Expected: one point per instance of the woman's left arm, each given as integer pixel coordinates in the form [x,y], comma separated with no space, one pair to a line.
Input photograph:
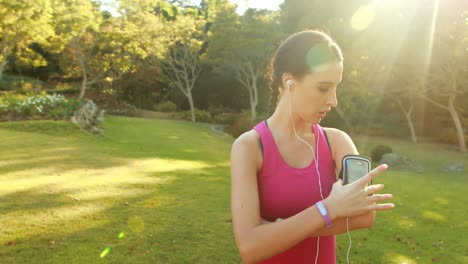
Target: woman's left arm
[341,145]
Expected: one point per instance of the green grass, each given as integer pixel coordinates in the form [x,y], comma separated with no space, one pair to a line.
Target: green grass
[65,196]
[429,222]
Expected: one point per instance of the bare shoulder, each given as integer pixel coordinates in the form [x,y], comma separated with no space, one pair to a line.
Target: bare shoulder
[249,138]
[341,144]
[247,147]
[336,136]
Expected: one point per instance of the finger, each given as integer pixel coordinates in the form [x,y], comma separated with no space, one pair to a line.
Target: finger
[381,207]
[379,198]
[373,188]
[371,175]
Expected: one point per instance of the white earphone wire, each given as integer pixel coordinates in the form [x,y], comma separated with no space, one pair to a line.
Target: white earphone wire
[316,154]
[316,159]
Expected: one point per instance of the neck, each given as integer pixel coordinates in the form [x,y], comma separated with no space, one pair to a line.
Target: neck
[282,122]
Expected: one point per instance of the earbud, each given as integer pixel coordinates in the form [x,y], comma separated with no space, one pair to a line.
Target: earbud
[289,83]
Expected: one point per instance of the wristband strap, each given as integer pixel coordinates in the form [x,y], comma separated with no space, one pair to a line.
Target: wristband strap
[324,213]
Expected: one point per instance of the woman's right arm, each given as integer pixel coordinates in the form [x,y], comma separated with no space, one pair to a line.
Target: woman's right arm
[254,240]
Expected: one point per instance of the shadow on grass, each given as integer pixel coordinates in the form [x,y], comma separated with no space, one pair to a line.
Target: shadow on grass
[184,220]
[47,144]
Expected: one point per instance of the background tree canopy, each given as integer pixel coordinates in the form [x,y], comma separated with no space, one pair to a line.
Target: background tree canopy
[405,62]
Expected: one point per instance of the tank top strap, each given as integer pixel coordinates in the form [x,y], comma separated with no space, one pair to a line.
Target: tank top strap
[324,152]
[268,147]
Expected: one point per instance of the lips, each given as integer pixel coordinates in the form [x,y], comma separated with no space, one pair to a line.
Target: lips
[323,114]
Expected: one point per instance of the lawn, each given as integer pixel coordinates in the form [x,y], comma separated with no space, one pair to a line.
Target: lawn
[157,191]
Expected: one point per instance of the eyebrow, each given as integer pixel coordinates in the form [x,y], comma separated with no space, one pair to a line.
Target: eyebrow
[331,83]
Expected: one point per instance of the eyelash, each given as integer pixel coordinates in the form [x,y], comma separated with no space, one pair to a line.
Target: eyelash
[323,90]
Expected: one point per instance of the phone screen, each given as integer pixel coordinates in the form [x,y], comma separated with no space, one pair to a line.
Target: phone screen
[356,169]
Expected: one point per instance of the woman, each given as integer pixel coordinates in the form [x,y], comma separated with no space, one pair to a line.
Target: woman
[287,205]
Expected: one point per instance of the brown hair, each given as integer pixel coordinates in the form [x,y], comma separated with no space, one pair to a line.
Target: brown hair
[296,55]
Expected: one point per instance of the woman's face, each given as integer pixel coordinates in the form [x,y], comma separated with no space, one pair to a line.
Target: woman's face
[313,96]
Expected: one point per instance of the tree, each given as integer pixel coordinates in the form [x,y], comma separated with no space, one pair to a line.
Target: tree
[184,38]
[98,47]
[77,25]
[23,23]
[446,78]
[248,53]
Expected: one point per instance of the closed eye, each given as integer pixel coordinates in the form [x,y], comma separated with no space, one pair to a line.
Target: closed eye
[323,90]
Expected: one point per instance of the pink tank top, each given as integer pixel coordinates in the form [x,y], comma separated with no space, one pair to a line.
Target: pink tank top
[285,191]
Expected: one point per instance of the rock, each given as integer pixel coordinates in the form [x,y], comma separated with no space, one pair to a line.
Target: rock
[395,161]
[454,168]
[89,117]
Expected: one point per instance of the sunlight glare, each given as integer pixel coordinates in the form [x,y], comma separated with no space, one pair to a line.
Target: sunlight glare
[431,36]
[363,17]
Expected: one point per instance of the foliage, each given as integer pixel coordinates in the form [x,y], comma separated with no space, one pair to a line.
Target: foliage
[450,136]
[166,106]
[21,24]
[36,106]
[378,151]
[13,82]
[200,115]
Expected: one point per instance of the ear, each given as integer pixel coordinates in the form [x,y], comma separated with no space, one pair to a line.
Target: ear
[287,80]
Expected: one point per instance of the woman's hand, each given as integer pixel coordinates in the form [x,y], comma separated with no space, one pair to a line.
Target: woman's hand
[355,198]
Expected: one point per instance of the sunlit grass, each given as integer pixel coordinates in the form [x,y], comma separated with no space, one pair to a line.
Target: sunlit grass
[67,197]
[428,221]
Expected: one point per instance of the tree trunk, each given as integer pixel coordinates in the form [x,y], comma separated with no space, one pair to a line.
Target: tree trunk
[2,67]
[253,100]
[253,111]
[408,114]
[84,83]
[192,107]
[346,120]
[458,124]
[411,127]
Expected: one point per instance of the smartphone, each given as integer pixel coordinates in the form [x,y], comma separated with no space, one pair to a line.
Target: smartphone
[354,167]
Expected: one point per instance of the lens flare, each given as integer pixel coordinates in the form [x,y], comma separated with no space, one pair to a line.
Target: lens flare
[363,17]
[319,57]
[105,252]
[121,235]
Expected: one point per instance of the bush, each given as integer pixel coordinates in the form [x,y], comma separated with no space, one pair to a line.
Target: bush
[36,106]
[225,118]
[13,82]
[450,136]
[200,116]
[218,110]
[241,124]
[378,151]
[167,106]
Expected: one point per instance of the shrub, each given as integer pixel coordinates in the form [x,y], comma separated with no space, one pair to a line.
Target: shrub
[14,82]
[225,118]
[218,110]
[34,106]
[450,136]
[200,116]
[167,106]
[378,151]
[241,124]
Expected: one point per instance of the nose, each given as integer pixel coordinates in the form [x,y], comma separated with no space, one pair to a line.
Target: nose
[332,101]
